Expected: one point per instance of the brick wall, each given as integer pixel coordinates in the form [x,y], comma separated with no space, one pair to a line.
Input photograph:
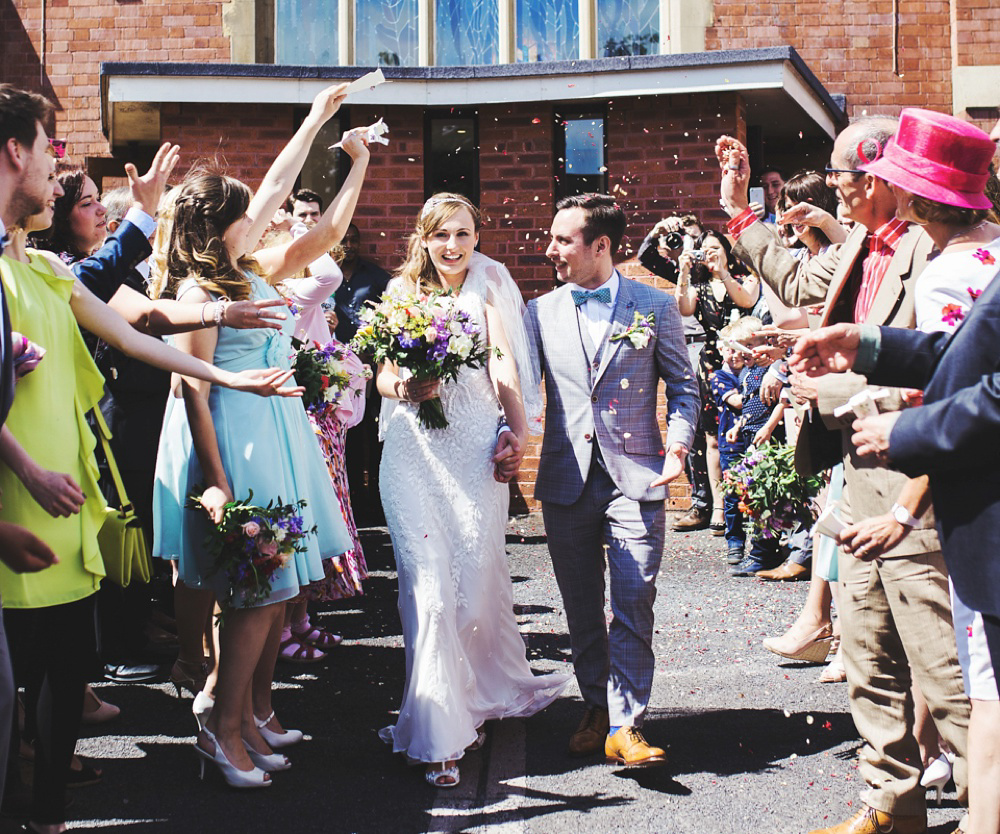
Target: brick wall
[80,34]
[849,45]
[977,33]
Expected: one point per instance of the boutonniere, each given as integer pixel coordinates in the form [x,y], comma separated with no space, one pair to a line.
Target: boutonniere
[639,332]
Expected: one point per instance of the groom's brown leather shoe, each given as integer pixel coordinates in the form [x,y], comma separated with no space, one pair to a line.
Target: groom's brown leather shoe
[629,748]
[589,736]
[870,821]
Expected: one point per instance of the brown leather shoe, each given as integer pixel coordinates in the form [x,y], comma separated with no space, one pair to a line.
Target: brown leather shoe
[629,748]
[870,821]
[590,735]
[785,572]
[693,519]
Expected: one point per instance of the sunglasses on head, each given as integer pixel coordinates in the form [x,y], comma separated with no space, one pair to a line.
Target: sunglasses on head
[58,147]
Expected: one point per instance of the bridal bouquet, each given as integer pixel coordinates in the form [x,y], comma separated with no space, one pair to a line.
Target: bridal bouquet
[428,335]
[771,492]
[333,376]
[251,544]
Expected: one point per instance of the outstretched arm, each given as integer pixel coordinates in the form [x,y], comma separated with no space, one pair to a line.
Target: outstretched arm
[105,323]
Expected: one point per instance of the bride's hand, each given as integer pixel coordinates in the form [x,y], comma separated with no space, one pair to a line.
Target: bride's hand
[417,390]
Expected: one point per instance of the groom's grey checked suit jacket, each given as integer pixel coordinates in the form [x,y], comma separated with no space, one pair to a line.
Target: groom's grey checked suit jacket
[614,403]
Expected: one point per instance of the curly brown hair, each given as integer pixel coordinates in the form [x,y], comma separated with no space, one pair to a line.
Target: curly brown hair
[207,204]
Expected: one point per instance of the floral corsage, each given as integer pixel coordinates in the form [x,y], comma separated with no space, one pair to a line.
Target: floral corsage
[639,332]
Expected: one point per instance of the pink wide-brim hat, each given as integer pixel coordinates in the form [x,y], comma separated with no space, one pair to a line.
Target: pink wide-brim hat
[939,157]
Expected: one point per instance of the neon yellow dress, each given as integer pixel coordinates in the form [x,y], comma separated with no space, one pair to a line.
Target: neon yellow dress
[48,419]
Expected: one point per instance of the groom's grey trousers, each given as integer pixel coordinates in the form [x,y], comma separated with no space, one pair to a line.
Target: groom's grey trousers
[614,664]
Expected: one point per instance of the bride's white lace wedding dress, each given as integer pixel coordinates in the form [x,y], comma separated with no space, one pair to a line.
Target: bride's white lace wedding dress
[447,516]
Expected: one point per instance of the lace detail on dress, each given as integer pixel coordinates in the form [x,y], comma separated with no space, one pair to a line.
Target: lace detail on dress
[447,517]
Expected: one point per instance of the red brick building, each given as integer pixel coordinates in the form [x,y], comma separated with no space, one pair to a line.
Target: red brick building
[512,133]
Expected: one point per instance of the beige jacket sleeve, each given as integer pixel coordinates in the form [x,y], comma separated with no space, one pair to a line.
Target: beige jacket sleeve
[796,283]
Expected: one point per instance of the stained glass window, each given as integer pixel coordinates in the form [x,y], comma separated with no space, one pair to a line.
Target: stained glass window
[466,32]
[548,30]
[628,27]
[305,32]
[386,33]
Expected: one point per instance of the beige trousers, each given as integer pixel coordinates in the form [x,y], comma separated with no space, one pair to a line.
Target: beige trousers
[896,626]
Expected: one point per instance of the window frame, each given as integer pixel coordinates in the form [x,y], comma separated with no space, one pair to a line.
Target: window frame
[432,114]
[559,175]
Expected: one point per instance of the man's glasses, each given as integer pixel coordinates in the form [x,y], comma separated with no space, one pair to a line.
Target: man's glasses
[58,147]
[830,170]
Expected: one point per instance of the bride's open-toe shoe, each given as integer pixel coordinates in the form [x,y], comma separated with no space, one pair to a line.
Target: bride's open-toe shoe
[479,742]
[439,775]
[270,762]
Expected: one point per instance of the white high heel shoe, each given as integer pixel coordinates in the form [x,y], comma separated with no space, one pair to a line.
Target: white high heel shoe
[277,740]
[937,774]
[235,778]
[270,762]
[202,708]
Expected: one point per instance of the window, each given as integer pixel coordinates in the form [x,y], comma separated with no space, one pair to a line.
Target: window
[466,32]
[452,152]
[580,154]
[548,30]
[628,27]
[325,171]
[386,33]
[305,32]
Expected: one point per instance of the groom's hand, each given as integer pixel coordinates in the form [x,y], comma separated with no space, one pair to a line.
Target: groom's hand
[673,465]
[507,457]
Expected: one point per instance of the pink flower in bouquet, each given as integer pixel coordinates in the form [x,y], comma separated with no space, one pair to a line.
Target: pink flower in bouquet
[267,548]
[251,529]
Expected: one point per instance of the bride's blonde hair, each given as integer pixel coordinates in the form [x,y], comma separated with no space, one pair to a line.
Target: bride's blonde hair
[417,272]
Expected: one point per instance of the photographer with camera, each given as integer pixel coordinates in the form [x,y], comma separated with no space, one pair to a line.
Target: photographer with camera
[714,287]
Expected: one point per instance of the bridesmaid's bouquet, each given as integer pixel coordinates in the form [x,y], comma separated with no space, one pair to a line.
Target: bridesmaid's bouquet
[426,334]
[251,544]
[771,493]
[332,374]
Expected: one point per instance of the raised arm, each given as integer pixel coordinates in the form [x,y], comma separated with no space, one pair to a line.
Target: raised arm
[279,262]
[280,178]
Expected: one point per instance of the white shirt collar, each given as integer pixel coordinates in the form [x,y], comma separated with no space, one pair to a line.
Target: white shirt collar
[612,284]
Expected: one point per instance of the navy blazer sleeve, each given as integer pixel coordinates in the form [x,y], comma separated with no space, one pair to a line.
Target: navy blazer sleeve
[106,270]
[907,358]
[958,432]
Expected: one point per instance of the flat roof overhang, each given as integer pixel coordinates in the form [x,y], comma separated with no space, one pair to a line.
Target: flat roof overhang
[770,79]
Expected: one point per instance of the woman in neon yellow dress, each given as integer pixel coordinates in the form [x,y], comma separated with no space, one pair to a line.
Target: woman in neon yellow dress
[49,486]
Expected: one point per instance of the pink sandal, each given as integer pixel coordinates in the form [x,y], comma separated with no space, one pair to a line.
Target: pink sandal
[318,637]
[293,650]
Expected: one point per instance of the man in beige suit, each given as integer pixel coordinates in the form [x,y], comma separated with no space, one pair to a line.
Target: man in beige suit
[895,609]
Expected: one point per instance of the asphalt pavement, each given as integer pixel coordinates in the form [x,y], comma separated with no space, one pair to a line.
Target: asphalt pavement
[755,744]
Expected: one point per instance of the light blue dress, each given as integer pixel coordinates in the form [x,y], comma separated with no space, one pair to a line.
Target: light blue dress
[267,445]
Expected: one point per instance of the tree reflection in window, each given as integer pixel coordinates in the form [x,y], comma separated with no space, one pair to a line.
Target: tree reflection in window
[628,27]
[386,33]
[548,30]
[305,32]
[466,33]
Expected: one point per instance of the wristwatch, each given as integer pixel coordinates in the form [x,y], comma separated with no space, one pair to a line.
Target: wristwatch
[902,515]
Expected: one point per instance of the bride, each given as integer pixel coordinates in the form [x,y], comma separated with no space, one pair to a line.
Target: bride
[447,513]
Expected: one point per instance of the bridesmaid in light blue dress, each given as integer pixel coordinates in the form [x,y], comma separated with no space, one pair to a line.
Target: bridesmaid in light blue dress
[230,445]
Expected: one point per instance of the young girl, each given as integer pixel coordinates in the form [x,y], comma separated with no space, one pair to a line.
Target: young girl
[228,446]
[447,515]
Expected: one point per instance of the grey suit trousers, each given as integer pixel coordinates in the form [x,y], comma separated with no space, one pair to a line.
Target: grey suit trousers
[614,665]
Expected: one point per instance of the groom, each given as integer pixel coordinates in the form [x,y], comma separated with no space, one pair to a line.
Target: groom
[603,343]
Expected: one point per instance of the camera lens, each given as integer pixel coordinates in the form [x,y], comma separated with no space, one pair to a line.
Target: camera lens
[674,240]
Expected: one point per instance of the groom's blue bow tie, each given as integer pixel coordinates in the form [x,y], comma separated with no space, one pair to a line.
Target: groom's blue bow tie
[580,296]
